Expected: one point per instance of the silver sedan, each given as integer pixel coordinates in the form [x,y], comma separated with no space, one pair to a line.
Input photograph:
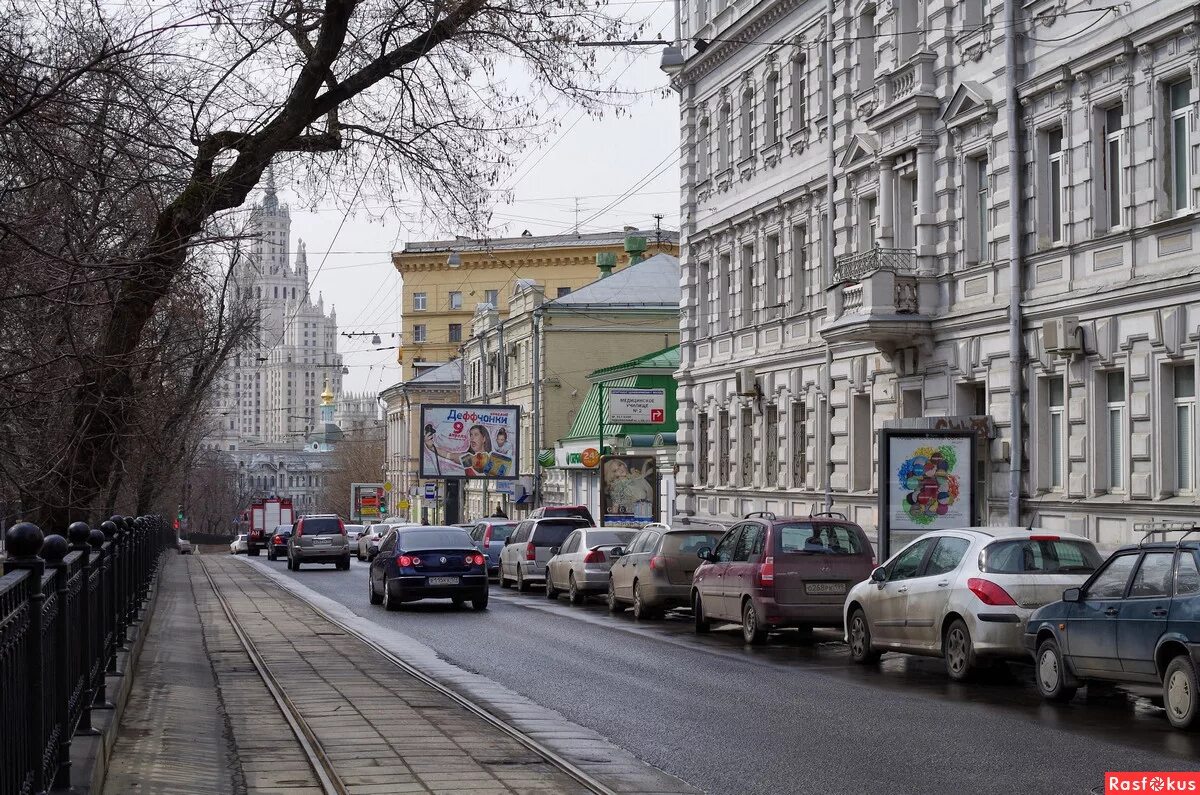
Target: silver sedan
[581,564]
[964,594]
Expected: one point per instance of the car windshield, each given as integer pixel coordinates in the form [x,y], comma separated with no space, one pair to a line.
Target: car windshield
[601,538]
[688,544]
[322,526]
[818,539]
[502,531]
[433,538]
[553,533]
[1049,556]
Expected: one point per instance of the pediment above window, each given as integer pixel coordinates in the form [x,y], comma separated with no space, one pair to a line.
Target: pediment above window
[860,153]
[971,102]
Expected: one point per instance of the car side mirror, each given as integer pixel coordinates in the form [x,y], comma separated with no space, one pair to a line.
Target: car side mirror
[704,553]
[554,550]
[616,552]
[1073,595]
[879,574]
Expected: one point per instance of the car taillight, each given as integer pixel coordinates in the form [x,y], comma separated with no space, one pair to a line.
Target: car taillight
[989,592]
[277,540]
[658,562]
[341,527]
[487,536]
[594,556]
[475,559]
[405,561]
[1043,538]
[530,551]
[766,572]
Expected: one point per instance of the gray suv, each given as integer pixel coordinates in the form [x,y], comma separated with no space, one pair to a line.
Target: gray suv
[526,552]
[319,539]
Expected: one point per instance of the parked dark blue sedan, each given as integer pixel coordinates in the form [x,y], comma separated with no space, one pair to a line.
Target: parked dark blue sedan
[1136,620]
[428,563]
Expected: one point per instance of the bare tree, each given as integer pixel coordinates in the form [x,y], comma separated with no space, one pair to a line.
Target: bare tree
[136,132]
[357,458]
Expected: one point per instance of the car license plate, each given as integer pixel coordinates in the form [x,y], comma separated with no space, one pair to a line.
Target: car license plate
[825,587]
[321,542]
[443,581]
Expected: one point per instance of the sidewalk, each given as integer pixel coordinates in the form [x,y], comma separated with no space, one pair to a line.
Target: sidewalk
[173,737]
[201,719]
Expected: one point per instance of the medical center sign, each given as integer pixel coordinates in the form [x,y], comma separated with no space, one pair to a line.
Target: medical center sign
[637,406]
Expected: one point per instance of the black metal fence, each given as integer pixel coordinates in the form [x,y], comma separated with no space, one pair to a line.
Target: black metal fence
[65,608]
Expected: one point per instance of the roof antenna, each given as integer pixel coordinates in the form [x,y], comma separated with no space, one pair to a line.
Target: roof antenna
[658,229]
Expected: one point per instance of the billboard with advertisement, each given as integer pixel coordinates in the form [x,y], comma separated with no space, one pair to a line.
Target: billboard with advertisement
[636,406]
[476,442]
[628,490]
[927,482]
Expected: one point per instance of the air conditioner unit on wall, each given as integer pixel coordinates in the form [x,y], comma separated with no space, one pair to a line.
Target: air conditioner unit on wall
[744,382]
[1061,334]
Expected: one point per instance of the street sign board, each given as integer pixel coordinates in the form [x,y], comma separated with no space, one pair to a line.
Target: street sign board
[431,491]
[637,406]
[364,500]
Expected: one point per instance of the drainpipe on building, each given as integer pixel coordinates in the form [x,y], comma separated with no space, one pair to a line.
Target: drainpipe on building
[483,362]
[1016,361]
[830,177]
[537,404]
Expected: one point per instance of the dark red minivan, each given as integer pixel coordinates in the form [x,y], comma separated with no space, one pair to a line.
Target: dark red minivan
[768,573]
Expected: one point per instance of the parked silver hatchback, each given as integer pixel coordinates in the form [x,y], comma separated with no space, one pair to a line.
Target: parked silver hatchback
[580,565]
[319,539]
[655,572]
[964,594]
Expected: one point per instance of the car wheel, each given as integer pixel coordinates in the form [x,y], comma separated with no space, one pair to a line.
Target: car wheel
[358,554]
[345,566]
[574,595]
[372,597]
[296,564]
[480,603]
[640,611]
[270,555]
[958,651]
[291,566]
[551,592]
[389,602]
[614,605]
[1050,673]
[752,632]
[701,624]
[1180,694]
[522,586]
[860,639]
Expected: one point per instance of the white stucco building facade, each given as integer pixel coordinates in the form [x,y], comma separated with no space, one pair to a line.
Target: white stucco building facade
[912,308]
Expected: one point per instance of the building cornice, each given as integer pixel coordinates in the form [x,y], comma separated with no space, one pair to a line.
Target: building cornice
[734,38]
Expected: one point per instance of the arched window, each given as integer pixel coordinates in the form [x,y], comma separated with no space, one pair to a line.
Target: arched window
[771,115]
[726,133]
[799,92]
[748,119]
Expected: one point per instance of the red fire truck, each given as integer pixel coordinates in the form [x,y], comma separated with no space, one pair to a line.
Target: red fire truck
[265,516]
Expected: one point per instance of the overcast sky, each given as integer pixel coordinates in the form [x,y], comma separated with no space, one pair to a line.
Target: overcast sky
[596,160]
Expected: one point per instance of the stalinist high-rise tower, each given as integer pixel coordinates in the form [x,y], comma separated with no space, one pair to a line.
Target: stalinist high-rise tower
[270,395]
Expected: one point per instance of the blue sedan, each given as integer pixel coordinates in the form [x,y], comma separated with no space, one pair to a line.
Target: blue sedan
[428,563]
[1135,621]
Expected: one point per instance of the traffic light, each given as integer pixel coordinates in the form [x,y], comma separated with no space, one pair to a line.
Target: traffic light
[179,517]
[383,506]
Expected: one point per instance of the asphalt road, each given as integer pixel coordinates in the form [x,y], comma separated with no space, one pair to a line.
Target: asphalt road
[794,716]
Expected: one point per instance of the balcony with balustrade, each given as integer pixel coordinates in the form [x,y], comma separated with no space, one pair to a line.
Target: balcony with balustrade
[910,87]
[882,298]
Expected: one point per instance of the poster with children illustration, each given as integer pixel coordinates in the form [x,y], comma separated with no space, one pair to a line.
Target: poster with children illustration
[628,491]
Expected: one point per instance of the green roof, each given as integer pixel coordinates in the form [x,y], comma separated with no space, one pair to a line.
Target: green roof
[666,359]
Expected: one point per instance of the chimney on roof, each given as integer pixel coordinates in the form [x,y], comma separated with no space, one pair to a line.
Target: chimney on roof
[605,261]
[635,247]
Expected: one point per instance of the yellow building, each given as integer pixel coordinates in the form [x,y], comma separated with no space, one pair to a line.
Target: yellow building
[444,281]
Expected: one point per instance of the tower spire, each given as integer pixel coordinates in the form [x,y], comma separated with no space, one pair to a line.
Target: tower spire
[270,200]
